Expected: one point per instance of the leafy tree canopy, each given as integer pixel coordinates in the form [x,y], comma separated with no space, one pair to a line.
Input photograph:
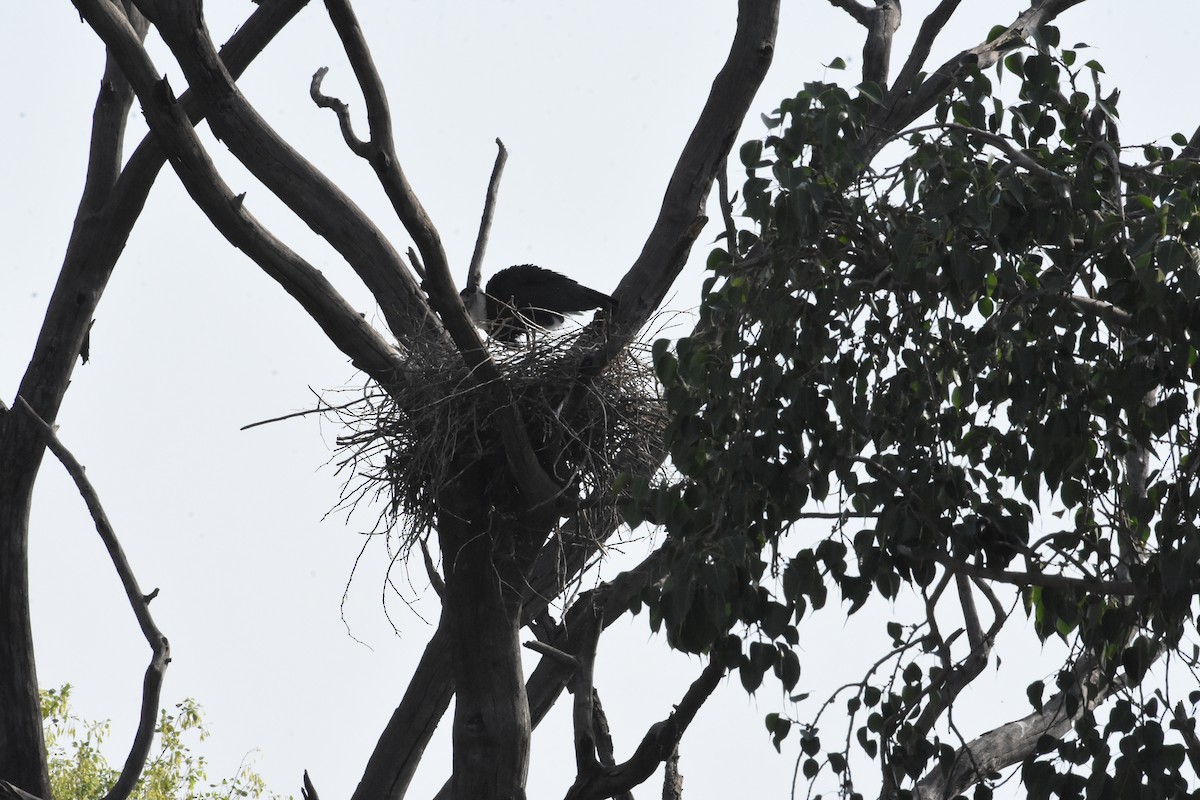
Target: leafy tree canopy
[79,770]
[976,343]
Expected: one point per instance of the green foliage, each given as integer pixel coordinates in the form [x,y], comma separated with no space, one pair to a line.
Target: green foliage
[995,333]
[80,771]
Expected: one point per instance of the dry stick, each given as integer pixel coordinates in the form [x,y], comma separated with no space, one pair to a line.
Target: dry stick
[160,650]
[475,273]
[524,466]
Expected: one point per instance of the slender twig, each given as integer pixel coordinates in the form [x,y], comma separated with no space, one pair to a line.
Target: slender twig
[435,580]
[160,656]
[475,273]
[656,746]
[356,145]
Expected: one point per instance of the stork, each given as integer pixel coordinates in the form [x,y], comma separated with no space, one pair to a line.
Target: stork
[521,299]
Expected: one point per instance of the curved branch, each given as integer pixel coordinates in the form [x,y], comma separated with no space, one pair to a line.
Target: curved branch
[160,650]
[656,746]
[295,181]
[680,218]
[344,326]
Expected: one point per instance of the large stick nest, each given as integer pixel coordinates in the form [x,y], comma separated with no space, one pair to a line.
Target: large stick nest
[406,443]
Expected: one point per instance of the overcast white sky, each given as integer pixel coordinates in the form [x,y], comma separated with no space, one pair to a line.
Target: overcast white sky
[191,342]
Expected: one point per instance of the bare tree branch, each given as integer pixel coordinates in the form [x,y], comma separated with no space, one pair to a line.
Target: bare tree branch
[342,323]
[303,188]
[583,714]
[380,152]
[107,214]
[672,779]
[656,746]
[160,650]
[930,28]
[475,273]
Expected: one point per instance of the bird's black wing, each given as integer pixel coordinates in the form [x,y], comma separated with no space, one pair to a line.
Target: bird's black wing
[526,287]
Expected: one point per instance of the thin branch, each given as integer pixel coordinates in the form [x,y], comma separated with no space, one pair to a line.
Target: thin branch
[357,146]
[930,28]
[1018,157]
[583,710]
[160,650]
[475,273]
[604,740]
[435,580]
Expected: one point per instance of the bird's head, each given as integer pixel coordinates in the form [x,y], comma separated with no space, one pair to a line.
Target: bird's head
[476,302]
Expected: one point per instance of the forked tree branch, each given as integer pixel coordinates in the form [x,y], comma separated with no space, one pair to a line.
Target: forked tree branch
[656,746]
[160,651]
[295,181]
[379,150]
[341,322]
[906,103]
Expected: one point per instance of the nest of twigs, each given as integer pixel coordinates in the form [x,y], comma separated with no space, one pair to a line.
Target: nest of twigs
[406,442]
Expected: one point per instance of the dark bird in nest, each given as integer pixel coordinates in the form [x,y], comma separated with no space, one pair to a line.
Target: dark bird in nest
[523,299]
